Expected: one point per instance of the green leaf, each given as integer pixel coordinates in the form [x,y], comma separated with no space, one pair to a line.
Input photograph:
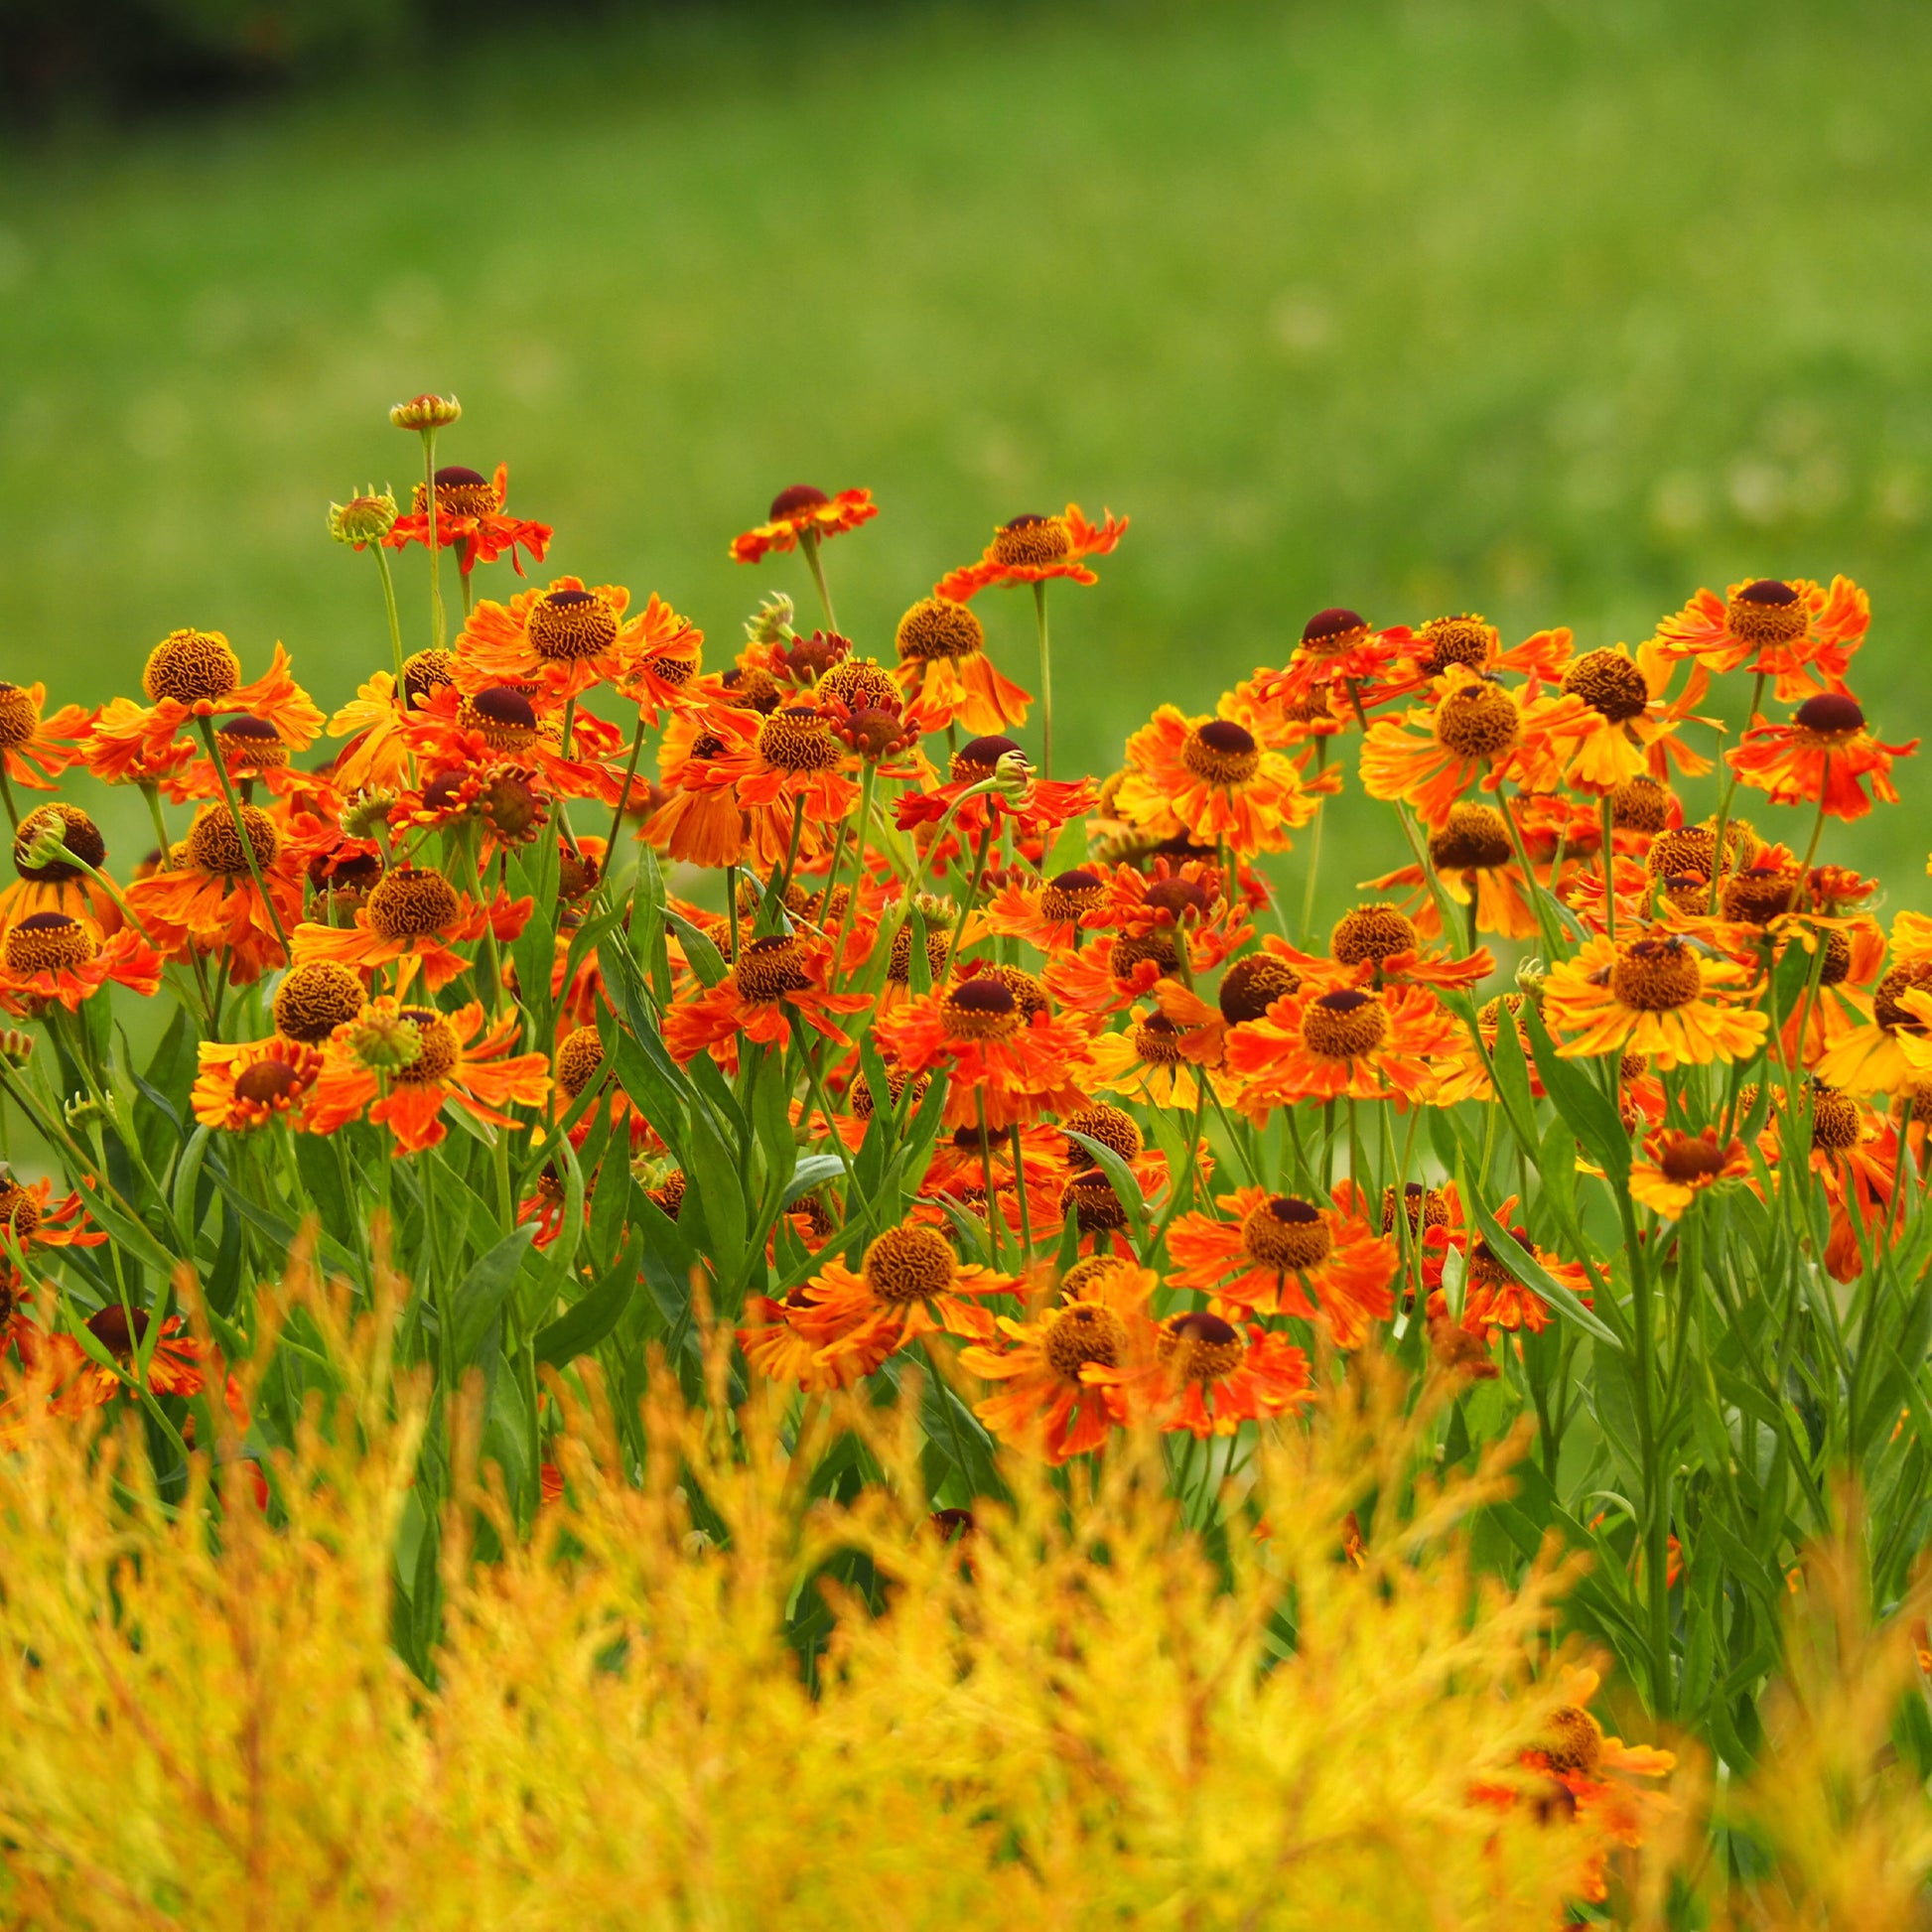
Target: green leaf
[584,1323]
[1581,1102]
[480,1296]
[706,960]
[812,1171]
[1532,1273]
[1512,1083]
[187,1178]
[1121,1178]
[712,1172]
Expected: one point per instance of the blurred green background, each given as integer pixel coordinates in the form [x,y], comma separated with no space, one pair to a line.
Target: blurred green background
[1536,307]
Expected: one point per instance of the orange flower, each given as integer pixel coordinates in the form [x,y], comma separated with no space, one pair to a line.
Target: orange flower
[1208,779]
[377,756]
[1347,1042]
[470,516]
[788,776]
[1872,1058]
[1279,1255]
[909,1284]
[1493,1300]
[242,1088]
[57,956]
[1032,549]
[1473,857]
[1614,712]
[1662,996]
[1157,1060]
[1339,651]
[700,821]
[947,673]
[1050,914]
[403,1063]
[1016,1068]
[1208,1378]
[412,919]
[1819,758]
[1038,807]
[1060,1397]
[31,1216]
[1678,1167]
[1475,732]
[1797,633]
[563,640]
[804,512]
[194,674]
[453,731]
[778,1350]
[35,749]
[174,1367]
[776,980]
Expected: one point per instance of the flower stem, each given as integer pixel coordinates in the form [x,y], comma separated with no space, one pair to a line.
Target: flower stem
[808,543]
[435,549]
[242,832]
[1045,683]
[395,618]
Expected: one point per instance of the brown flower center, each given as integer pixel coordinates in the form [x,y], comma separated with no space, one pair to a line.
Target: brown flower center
[1071,895]
[215,846]
[503,716]
[1657,976]
[1767,611]
[191,666]
[859,684]
[268,1083]
[1085,1276]
[769,968]
[752,688]
[1081,1332]
[938,943]
[1574,1743]
[979,1009]
[1198,1347]
[1423,1207]
[19,1210]
[1610,684]
[251,745]
[19,717]
[797,739]
[1757,896]
[459,492]
[1133,947]
[1689,1161]
[1455,641]
[1108,1126]
[1095,1206]
[411,903]
[1287,1234]
[315,999]
[1478,720]
[1887,997]
[73,827]
[1830,715]
[46,942]
[1331,631]
[439,1048]
[1837,1122]
[1370,935]
[1345,1025]
[1475,839]
[907,1265]
[798,501]
[1030,540]
[567,625]
[1221,753]
[938,628]
[1024,987]
[426,671]
[979,758]
[1252,985]
[1157,1040]
[579,1061]
[1640,805]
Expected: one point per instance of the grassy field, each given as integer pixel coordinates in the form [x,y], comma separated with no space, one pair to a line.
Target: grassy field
[1549,311]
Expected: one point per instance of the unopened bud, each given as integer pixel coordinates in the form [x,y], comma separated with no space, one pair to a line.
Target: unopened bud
[363,519]
[16,1048]
[1012,775]
[770,624]
[1529,975]
[385,1042]
[368,813]
[426,412]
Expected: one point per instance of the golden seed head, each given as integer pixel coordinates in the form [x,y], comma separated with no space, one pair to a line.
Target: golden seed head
[579,1058]
[1196,1346]
[752,688]
[1888,1008]
[859,684]
[1574,1742]
[938,628]
[1691,1159]
[1093,1203]
[1837,1120]
[668,1196]
[1032,540]
[769,968]
[214,845]
[797,739]
[1838,958]
[938,943]
[412,903]
[1080,1332]
[46,942]
[1252,985]
[1422,1207]
[1370,935]
[1657,976]
[439,1050]
[19,1210]
[1640,805]
[1157,1040]
[425,672]
[191,666]
[1345,1025]
[1455,641]
[1475,839]
[566,627]
[1084,1277]
[57,824]
[459,492]
[1287,1234]
[1221,753]
[19,717]
[1110,1126]
[860,1096]
[1133,947]
[315,999]
[1478,720]
[909,1264]
[1757,896]
[1768,612]
[1609,682]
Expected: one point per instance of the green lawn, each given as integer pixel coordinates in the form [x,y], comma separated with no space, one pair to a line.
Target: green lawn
[1549,311]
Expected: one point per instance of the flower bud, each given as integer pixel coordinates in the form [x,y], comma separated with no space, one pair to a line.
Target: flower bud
[385,1042]
[365,519]
[1012,775]
[16,1048]
[426,412]
[1530,975]
[368,814]
[770,624]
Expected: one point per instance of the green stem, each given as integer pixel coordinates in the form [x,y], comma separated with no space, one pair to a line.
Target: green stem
[241,831]
[441,627]
[1045,683]
[808,544]
[395,617]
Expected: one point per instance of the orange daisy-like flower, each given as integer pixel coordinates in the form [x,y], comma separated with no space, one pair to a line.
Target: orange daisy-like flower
[1050,914]
[1339,653]
[32,1218]
[1018,1068]
[1034,811]
[377,755]
[1060,1397]
[563,640]
[402,1064]
[36,750]
[1207,1377]
[1279,1255]
[1473,857]
[1821,757]
[61,957]
[470,518]
[1157,1059]
[802,512]
[1797,633]
[1615,723]
[1476,732]
[242,1088]
[1377,944]
[780,1352]
[413,918]
[1032,549]
[947,673]
[776,980]
[450,729]
[173,1367]
[701,822]
[1474,642]
[194,674]
[909,1284]
[1493,1300]
[1678,1167]
[789,774]
[1207,778]
[1348,1042]
[1872,1058]
[1662,996]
